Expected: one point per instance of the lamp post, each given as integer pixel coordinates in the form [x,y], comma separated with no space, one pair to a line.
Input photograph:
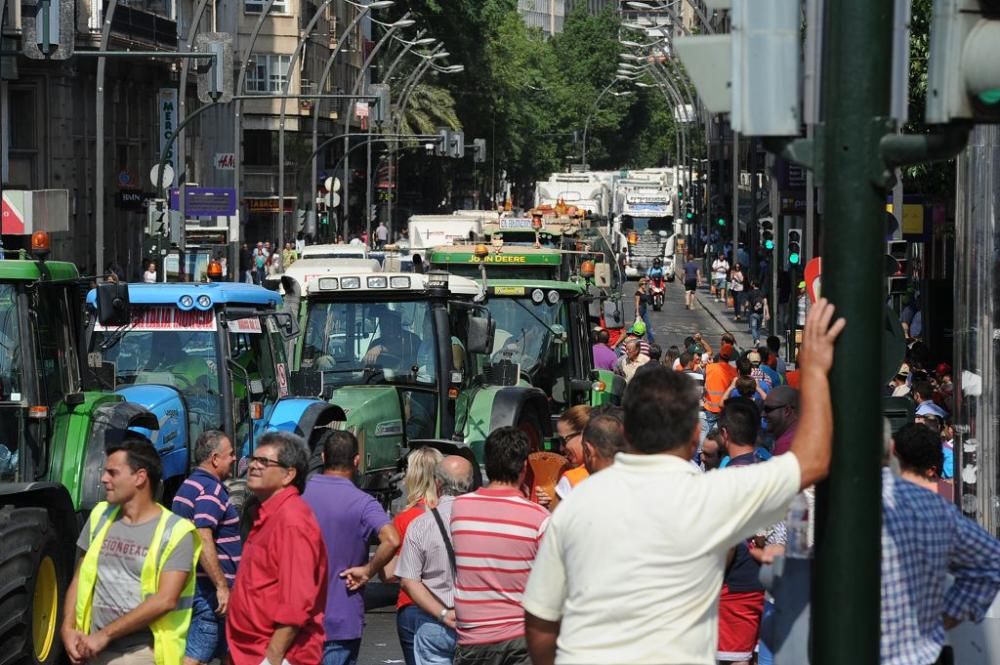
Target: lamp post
[586,124]
[363,11]
[404,22]
[299,49]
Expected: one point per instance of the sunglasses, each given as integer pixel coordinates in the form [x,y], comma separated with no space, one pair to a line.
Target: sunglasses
[267,462]
[562,440]
[774,407]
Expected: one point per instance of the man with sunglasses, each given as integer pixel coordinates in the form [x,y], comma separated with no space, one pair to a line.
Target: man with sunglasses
[276,606]
[781,414]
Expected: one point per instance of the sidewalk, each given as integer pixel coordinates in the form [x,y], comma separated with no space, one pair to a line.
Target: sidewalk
[725,318]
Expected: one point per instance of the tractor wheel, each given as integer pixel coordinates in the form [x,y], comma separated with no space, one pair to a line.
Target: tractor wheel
[33,582]
[533,430]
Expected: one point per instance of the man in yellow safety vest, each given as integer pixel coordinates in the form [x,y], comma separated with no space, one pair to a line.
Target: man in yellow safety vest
[130,598]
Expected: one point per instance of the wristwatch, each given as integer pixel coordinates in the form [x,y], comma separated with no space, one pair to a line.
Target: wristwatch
[443,614]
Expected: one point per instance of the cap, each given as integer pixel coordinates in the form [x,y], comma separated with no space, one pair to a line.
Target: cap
[638,328]
[802,285]
[904,370]
[754,358]
[726,352]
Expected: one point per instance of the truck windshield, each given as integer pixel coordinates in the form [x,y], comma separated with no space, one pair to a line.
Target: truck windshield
[523,330]
[371,342]
[183,359]
[10,345]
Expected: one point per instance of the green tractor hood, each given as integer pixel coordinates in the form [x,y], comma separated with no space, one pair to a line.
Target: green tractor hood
[375,415]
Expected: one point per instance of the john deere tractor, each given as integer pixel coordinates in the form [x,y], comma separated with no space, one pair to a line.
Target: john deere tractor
[53,413]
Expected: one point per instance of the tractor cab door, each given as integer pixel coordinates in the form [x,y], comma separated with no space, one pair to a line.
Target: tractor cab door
[258,368]
[53,327]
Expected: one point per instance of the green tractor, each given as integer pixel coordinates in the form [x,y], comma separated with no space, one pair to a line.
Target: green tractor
[543,323]
[55,416]
[404,355]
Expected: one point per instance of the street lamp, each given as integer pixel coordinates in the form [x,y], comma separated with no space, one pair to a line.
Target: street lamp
[404,22]
[586,124]
[363,11]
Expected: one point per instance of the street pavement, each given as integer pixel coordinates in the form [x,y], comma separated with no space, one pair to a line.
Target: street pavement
[380,644]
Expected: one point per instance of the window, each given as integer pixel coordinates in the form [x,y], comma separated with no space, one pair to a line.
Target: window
[257,6]
[268,73]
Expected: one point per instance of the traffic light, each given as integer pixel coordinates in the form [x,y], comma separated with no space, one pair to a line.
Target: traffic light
[721,221]
[215,76]
[156,218]
[793,243]
[753,73]
[383,103]
[767,234]
[963,76]
[896,266]
[443,146]
[689,213]
[48,29]
[479,150]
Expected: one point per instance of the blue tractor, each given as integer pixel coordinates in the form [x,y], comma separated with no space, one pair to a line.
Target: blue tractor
[200,357]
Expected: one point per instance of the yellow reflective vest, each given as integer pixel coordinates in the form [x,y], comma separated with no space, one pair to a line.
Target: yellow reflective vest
[170,630]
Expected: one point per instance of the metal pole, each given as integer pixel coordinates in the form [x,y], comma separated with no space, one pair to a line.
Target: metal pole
[358,82]
[593,110]
[775,203]
[736,196]
[238,103]
[845,616]
[99,140]
[361,13]
[300,47]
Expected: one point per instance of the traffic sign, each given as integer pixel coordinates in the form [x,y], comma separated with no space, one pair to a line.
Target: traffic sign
[168,175]
[334,200]
[332,184]
[205,201]
[813,279]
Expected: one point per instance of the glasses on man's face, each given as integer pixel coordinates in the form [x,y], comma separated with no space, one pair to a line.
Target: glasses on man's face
[267,462]
[768,408]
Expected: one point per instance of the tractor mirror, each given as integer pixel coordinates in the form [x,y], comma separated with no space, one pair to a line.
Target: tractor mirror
[112,304]
[287,323]
[602,275]
[481,330]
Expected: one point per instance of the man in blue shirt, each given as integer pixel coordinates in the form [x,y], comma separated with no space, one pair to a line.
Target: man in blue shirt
[204,500]
[924,540]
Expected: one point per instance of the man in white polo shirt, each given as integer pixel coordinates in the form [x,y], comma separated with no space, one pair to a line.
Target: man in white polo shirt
[647,589]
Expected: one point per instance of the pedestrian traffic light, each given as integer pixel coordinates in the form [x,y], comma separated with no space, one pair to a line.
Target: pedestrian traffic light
[896,266]
[689,213]
[721,221]
[767,234]
[794,245]
[156,218]
[963,77]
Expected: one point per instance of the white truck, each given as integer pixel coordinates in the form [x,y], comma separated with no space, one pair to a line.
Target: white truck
[581,190]
[426,231]
[644,221]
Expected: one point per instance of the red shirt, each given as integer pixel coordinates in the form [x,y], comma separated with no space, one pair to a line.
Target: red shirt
[281,579]
[402,522]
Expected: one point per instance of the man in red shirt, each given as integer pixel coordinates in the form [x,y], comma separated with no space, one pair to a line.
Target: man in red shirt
[276,606]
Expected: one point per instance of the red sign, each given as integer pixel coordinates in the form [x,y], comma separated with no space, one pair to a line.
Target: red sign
[169,318]
[812,278]
[12,219]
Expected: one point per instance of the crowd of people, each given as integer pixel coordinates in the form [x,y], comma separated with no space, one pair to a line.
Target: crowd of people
[648,552]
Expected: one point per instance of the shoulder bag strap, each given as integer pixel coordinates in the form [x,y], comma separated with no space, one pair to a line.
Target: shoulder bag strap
[447,542]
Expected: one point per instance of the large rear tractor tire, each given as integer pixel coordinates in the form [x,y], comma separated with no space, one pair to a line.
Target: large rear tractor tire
[33,582]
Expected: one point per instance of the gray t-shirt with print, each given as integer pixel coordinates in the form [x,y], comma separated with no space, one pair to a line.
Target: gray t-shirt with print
[119,573]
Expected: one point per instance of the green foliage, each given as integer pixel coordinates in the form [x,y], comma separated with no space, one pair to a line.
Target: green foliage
[429,107]
[530,97]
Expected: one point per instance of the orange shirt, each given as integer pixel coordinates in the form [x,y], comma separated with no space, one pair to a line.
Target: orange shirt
[792,378]
[576,475]
[402,523]
[718,377]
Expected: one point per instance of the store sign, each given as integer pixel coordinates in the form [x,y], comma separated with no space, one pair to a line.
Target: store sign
[168,122]
[225,161]
[269,204]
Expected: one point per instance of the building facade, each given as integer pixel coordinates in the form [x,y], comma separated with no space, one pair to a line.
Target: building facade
[49,117]
[546,15]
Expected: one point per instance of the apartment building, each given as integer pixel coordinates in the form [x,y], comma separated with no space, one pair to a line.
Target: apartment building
[546,15]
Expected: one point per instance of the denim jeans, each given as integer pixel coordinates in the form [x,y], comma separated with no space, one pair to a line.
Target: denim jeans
[206,637]
[408,620]
[764,655]
[755,321]
[708,421]
[341,652]
[649,326]
[434,644]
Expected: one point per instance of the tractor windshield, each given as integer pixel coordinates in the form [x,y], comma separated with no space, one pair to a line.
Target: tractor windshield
[10,346]
[174,355]
[371,342]
[524,330]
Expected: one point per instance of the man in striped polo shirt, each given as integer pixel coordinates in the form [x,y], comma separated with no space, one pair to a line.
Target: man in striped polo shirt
[203,499]
[496,533]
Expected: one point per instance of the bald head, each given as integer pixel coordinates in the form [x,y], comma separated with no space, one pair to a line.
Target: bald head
[454,476]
